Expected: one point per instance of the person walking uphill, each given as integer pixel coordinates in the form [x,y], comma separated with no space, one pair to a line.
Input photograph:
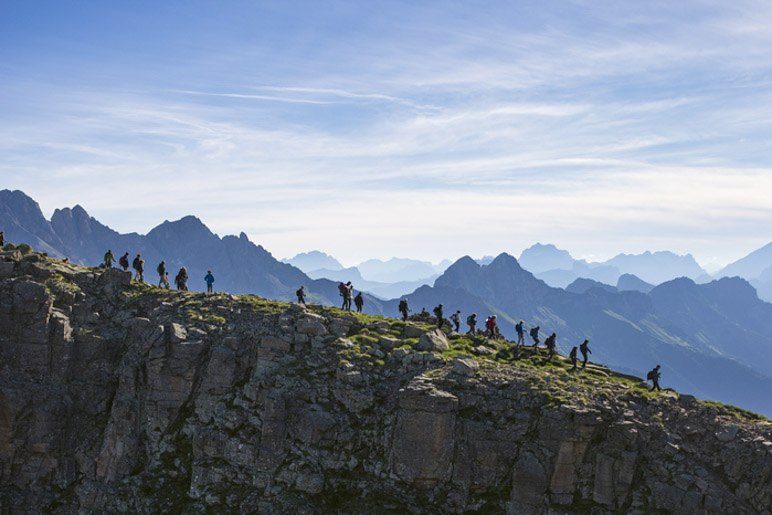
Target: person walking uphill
[491,327]
[161,269]
[572,356]
[139,267]
[654,376]
[359,301]
[551,345]
[182,279]
[520,330]
[403,309]
[535,335]
[209,278]
[585,349]
[471,321]
[438,314]
[109,259]
[456,319]
[301,294]
[124,262]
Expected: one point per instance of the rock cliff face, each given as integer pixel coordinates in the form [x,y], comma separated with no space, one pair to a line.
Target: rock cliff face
[123,397]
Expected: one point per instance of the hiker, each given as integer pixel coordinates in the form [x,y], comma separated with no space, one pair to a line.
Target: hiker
[139,267]
[359,301]
[403,309]
[2,239]
[182,279]
[572,355]
[490,326]
[456,319]
[124,262]
[438,314]
[585,349]
[551,345]
[165,281]
[209,278]
[109,259]
[301,293]
[653,376]
[535,335]
[471,321]
[161,269]
[520,330]
[345,291]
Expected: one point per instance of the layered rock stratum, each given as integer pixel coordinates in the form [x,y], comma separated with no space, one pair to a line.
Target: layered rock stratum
[117,396]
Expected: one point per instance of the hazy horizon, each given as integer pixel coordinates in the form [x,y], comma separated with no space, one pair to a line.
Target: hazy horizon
[426,131]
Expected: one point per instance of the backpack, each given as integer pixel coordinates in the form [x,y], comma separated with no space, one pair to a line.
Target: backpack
[342,289]
[161,269]
[650,375]
[534,332]
[471,320]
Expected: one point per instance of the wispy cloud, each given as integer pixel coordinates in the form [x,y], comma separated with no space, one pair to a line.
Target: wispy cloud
[459,131]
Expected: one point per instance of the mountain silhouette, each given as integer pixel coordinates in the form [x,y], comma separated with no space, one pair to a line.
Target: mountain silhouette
[557,268]
[630,282]
[239,265]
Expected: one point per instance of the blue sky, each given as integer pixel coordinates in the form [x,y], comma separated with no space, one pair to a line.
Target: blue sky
[421,129]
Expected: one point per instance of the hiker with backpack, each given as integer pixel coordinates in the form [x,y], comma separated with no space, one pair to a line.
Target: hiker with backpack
[438,314]
[346,290]
[585,349]
[124,262]
[520,330]
[535,335]
[551,344]
[209,279]
[403,309]
[456,319]
[359,301]
[654,376]
[471,321]
[181,280]
[109,259]
[491,327]
[139,267]
[161,269]
[2,239]
[572,356]
[301,294]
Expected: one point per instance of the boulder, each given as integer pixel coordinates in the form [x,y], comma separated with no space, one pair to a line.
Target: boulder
[176,333]
[465,366]
[311,324]
[411,331]
[728,433]
[434,340]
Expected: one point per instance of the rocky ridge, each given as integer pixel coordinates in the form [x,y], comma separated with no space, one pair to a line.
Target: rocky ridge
[122,397]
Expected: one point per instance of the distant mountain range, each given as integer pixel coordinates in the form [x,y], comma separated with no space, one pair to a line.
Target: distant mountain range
[712,339]
[756,267]
[239,265]
[558,268]
[385,279]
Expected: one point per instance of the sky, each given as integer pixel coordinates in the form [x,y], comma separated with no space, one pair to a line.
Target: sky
[420,129]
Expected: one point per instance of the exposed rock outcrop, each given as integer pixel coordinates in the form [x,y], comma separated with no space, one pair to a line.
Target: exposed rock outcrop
[122,397]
